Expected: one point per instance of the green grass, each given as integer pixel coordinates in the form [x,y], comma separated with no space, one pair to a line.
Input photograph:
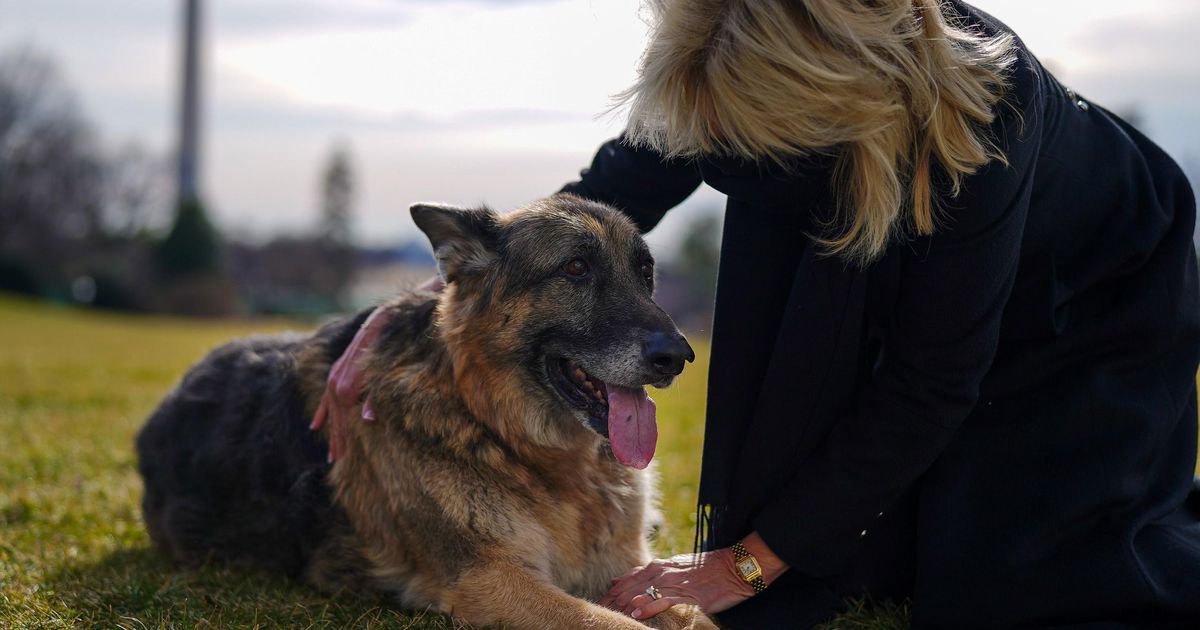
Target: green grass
[74,388]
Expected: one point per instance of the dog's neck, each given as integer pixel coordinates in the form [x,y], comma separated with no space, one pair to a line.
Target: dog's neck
[491,389]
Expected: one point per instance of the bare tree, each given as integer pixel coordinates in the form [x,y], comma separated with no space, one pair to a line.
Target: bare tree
[337,207]
[51,172]
[70,214]
[137,192]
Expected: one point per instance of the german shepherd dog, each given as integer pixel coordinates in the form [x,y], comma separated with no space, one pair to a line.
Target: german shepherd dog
[505,480]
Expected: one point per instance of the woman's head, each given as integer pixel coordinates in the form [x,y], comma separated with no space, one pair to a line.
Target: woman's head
[890,86]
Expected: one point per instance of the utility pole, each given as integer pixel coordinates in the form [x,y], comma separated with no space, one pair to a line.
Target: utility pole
[189,118]
[192,248]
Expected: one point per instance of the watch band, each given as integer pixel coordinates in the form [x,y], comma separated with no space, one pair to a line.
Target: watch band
[755,580]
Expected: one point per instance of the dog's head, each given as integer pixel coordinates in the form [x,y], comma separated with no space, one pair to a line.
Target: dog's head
[558,294]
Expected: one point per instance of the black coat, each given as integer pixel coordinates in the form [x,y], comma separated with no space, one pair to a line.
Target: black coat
[998,420]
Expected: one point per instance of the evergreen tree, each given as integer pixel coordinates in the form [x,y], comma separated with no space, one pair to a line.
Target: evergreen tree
[337,197]
[337,251]
[700,253]
[193,247]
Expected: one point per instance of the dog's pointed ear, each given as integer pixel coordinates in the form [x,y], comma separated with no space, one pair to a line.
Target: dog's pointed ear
[463,239]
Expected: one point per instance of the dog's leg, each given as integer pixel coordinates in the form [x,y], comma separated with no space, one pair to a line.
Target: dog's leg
[682,618]
[336,566]
[510,593]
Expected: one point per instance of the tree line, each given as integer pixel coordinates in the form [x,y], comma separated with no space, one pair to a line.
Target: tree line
[82,223]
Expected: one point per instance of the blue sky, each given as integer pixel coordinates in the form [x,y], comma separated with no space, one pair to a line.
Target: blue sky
[481,101]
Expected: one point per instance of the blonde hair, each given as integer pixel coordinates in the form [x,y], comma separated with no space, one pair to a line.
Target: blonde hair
[888,86]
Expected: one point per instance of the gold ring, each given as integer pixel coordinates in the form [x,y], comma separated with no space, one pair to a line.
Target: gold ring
[653,592]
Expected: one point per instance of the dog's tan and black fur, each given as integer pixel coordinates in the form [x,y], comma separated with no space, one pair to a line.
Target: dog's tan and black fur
[486,488]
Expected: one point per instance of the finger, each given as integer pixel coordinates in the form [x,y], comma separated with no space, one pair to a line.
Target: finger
[630,585]
[348,379]
[623,589]
[669,581]
[370,318]
[353,375]
[628,574]
[344,386]
[361,345]
[652,568]
[646,603]
[375,323]
[617,598]
[640,602]
[618,586]
[343,364]
[635,586]
[337,363]
[336,368]
[660,605]
[684,560]
[368,413]
[319,417]
[360,348]
[624,585]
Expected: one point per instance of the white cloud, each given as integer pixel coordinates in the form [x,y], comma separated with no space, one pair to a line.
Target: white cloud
[451,58]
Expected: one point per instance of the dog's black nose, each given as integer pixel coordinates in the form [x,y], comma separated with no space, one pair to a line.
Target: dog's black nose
[666,352]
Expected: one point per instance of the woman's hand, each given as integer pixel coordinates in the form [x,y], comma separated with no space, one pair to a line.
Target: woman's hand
[343,390]
[709,581]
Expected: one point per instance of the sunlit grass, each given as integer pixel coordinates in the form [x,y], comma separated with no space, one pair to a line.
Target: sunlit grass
[75,387]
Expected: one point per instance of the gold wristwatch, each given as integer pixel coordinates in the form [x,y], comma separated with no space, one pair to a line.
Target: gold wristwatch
[748,568]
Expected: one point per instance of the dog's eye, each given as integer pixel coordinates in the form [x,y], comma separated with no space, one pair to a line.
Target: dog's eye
[576,268]
[648,273]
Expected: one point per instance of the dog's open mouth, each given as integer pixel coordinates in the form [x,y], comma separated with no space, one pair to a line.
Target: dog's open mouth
[584,391]
[624,415]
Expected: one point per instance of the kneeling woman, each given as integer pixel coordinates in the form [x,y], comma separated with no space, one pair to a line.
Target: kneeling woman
[956,330]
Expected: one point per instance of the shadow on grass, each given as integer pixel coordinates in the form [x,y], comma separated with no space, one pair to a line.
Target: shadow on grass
[867,615]
[139,588]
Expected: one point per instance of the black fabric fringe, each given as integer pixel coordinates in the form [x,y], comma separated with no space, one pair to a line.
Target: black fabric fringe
[706,526]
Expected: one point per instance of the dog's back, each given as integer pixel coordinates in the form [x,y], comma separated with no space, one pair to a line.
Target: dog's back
[231,470]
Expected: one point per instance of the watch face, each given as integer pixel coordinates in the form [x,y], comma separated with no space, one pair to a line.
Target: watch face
[747,566]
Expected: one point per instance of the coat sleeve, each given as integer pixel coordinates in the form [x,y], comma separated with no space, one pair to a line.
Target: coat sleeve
[637,181]
[938,345]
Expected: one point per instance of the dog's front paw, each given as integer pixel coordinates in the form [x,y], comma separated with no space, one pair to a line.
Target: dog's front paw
[682,618]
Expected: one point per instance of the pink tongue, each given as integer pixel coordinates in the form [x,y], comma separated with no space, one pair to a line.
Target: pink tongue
[632,428]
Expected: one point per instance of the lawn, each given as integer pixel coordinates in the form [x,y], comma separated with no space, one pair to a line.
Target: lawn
[74,388]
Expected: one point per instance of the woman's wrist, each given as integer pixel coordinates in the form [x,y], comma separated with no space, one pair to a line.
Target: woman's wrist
[772,565]
[727,558]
